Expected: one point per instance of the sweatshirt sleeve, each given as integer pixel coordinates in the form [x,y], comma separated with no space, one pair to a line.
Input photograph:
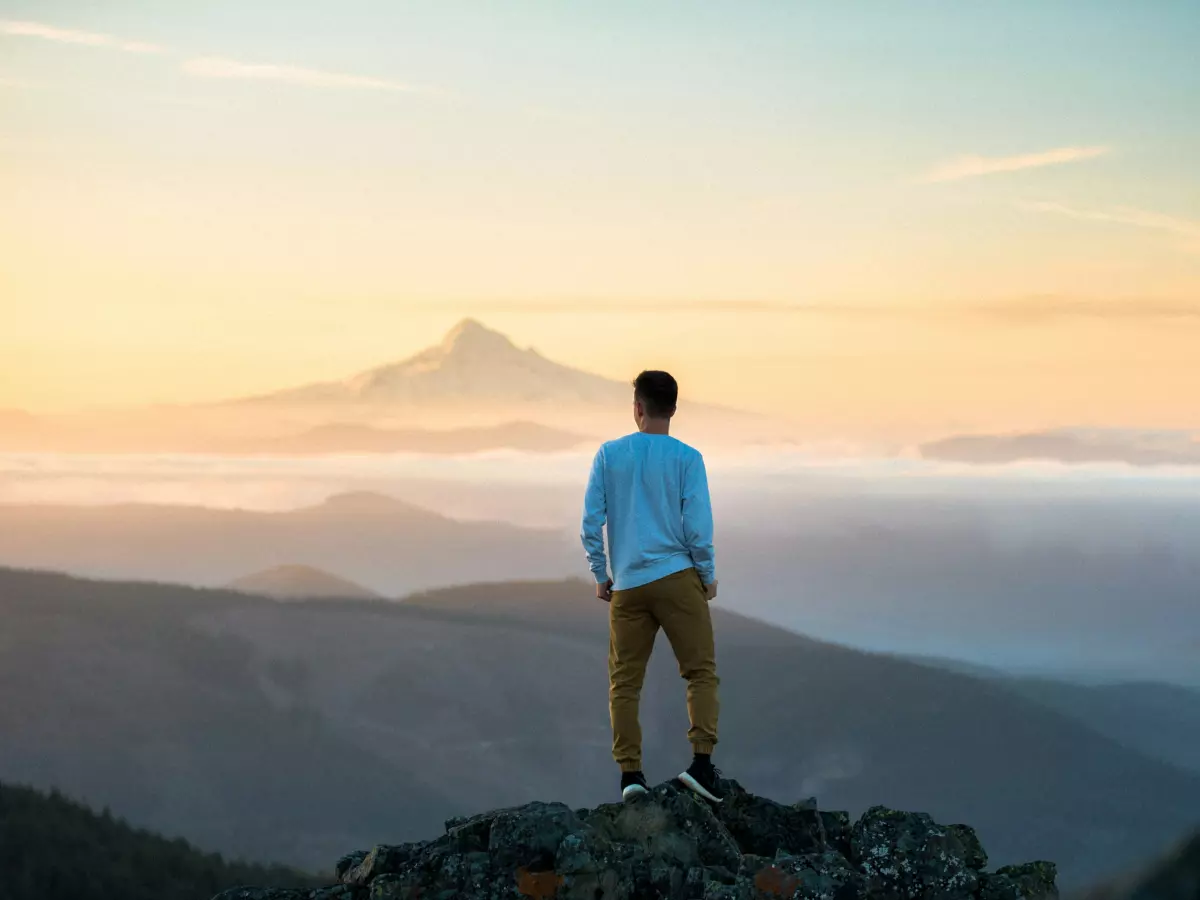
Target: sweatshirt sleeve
[595,514]
[698,518]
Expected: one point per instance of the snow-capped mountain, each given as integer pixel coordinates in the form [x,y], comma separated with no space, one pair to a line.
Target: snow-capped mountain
[472,365]
[474,391]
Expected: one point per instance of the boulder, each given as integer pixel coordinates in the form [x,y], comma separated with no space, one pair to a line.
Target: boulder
[385,859]
[764,827]
[670,845]
[906,854]
[1030,881]
[336,892]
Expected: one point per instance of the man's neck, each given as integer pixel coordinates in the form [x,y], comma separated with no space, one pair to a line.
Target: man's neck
[656,426]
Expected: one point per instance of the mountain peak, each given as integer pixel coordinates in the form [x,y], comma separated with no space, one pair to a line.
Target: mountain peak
[472,337]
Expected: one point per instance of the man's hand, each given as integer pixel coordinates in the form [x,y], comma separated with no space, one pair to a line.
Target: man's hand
[604,591]
[710,591]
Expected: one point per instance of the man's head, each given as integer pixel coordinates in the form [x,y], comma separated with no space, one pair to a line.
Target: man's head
[654,398]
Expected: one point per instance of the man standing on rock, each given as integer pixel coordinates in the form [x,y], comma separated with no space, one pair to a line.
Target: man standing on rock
[652,492]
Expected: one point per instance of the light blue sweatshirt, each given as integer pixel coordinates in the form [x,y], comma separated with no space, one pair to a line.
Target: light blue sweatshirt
[652,491]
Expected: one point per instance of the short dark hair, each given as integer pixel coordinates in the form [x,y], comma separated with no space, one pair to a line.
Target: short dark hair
[658,392]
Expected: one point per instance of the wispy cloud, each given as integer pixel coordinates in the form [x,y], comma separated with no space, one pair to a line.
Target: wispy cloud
[71,36]
[216,67]
[975,166]
[1186,229]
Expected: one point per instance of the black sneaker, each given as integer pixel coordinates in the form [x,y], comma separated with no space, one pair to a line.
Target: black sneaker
[633,784]
[704,779]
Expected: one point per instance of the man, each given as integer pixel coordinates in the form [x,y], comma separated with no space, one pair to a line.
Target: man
[652,492]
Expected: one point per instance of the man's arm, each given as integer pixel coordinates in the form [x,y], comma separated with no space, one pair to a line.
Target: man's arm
[698,519]
[595,514]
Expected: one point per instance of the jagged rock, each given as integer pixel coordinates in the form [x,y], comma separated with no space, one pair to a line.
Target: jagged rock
[907,854]
[361,868]
[1031,881]
[813,876]
[838,829]
[668,824]
[337,892]
[973,853]
[529,837]
[348,862]
[752,863]
[670,845]
[764,827]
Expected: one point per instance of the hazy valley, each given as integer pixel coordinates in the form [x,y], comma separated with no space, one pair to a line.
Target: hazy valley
[388,546]
[325,617]
[203,712]
[1030,574]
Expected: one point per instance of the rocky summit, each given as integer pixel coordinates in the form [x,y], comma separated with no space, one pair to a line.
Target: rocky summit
[670,845]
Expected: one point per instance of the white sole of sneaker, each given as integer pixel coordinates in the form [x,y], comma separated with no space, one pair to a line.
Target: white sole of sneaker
[697,788]
[632,791]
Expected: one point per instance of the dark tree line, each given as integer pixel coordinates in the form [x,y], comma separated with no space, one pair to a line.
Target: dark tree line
[52,848]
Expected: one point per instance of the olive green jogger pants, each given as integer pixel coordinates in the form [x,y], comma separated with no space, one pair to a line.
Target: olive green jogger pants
[679,606]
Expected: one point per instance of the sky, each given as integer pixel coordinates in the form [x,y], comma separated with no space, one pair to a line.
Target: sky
[861,216]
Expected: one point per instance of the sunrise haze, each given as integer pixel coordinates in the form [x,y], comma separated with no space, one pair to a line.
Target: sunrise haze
[319,330]
[899,218]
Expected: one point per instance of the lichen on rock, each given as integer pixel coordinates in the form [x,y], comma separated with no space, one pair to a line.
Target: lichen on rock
[670,845]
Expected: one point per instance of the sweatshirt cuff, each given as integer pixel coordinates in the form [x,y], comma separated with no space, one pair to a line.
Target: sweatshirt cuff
[707,576]
[601,577]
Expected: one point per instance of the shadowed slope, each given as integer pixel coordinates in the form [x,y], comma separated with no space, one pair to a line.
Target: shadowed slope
[495,694]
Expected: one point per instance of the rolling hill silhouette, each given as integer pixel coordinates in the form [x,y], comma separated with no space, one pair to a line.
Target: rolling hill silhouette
[297,582]
[293,731]
[386,545]
[52,848]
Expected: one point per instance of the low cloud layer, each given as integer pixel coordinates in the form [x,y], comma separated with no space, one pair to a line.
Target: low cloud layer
[1072,446]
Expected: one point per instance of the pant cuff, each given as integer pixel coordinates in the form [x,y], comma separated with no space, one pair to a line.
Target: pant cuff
[704,747]
[635,766]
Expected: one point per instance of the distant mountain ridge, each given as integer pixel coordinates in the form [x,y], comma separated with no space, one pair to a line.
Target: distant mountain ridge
[473,391]
[384,544]
[472,363]
[480,375]
[300,582]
